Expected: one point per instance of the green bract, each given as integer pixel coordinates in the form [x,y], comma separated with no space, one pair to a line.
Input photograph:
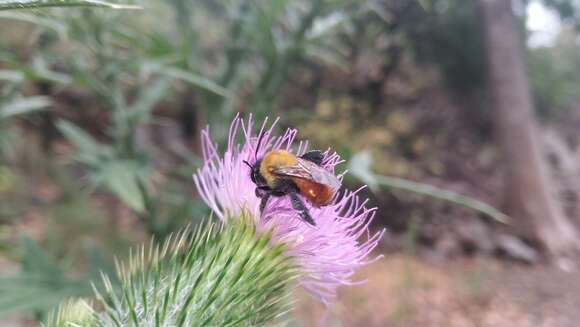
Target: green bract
[218,275]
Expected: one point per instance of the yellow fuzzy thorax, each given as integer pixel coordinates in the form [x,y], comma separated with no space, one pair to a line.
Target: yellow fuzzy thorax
[273,159]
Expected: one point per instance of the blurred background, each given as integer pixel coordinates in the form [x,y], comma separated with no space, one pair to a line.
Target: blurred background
[455,112]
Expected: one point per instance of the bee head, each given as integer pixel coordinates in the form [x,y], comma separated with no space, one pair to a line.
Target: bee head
[255,175]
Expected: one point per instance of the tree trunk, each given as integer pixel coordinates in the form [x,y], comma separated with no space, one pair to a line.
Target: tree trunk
[532,201]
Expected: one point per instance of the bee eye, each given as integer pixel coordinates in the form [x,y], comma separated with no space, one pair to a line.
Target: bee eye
[254,176]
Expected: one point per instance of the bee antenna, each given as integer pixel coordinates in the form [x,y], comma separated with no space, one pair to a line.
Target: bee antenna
[259,144]
[249,165]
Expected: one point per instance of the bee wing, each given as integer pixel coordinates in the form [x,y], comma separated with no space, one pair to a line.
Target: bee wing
[308,170]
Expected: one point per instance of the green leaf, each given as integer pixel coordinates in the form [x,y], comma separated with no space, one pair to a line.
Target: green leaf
[46,75]
[327,55]
[31,4]
[122,178]
[148,97]
[360,167]
[46,22]
[323,26]
[33,259]
[263,32]
[97,261]
[26,105]
[90,152]
[194,79]
[11,75]
[80,138]
[41,284]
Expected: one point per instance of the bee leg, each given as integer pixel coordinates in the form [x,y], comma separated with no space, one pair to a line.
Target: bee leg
[298,205]
[263,202]
[262,191]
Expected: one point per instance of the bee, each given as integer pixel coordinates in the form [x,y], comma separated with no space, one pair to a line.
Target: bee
[281,173]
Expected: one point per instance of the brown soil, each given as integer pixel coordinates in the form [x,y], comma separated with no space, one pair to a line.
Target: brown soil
[404,291]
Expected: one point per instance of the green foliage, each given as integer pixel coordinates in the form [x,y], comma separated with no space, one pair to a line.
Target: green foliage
[553,74]
[360,167]
[19,4]
[23,106]
[120,176]
[447,34]
[42,282]
[193,79]
[13,106]
[127,69]
[123,179]
[90,151]
[218,275]
[568,10]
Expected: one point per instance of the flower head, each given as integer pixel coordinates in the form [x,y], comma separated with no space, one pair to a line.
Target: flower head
[328,253]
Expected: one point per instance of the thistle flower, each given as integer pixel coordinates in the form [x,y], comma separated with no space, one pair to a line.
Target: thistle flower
[329,253]
[254,255]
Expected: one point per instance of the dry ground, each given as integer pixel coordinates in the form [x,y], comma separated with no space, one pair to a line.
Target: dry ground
[405,291]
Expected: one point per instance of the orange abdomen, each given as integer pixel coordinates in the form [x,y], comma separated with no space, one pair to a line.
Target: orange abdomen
[318,194]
